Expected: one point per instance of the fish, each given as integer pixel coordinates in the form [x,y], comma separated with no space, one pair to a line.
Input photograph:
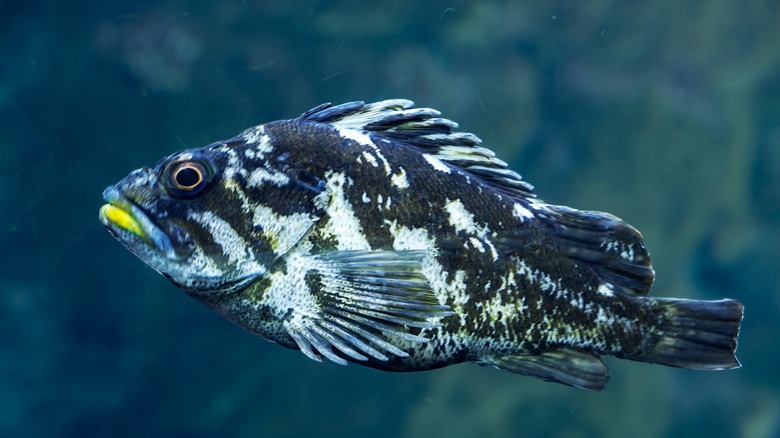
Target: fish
[378,234]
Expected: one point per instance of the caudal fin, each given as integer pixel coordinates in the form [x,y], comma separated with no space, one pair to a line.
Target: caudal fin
[700,335]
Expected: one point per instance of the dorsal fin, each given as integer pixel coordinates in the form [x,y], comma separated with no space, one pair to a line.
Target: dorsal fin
[397,120]
[613,249]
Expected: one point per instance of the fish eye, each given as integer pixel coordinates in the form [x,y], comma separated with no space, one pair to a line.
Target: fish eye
[185,179]
[187,176]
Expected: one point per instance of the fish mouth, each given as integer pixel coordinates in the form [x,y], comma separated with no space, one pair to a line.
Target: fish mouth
[127,221]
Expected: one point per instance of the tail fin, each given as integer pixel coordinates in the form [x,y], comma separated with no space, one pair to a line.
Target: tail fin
[700,335]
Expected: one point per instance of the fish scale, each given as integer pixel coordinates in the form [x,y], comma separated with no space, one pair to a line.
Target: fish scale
[377,234]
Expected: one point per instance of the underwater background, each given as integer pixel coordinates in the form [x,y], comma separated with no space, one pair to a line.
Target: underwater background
[664,113]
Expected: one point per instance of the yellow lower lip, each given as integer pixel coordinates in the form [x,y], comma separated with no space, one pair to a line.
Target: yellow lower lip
[121,219]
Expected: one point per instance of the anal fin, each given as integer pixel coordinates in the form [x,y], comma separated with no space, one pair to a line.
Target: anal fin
[565,366]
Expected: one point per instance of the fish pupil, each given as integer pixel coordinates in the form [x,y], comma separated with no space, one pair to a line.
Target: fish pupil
[188,177]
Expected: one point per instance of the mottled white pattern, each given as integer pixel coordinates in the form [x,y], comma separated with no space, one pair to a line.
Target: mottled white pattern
[626,251]
[609,245]
[446,288]
[235,164]
[260,176]
[363,139]
[458,287]
[543,280]
[203,267]
[282,231]
[606,289]
[419,239]
[475,155]
[603,318]
[520,212]
[372,112]
[436,163]
[498,310]
[234,247]
[399,179]
[260,141]
[202,264]
[343,225]
[476,243]
[288,289]
[463,220]
[370,159]
[440,136]
[409,238]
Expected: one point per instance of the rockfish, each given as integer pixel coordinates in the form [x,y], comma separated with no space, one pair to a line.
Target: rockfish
[378,234]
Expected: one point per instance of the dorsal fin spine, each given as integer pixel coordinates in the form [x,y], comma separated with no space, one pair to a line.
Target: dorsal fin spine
[423,128]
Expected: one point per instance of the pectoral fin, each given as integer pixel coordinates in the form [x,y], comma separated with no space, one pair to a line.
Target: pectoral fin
[566,366]
[371,304]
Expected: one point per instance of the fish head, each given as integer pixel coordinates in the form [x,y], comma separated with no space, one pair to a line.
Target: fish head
[215,219]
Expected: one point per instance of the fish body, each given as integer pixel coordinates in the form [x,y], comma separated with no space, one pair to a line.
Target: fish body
[376,234]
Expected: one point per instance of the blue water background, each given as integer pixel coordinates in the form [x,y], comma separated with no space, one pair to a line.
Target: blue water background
[664,113]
